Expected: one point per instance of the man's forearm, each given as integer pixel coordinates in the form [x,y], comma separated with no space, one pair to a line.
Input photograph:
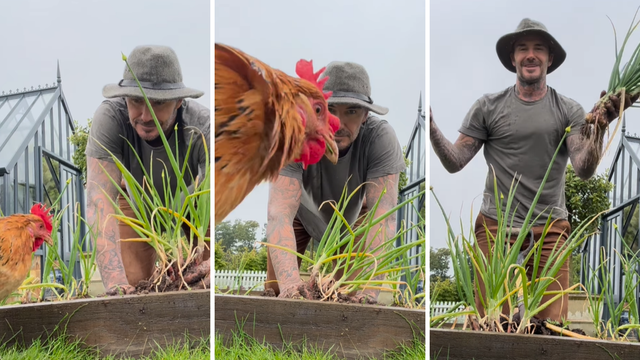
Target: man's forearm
[585,154]
[108,256]
[285,264]
[104,226]
[386,229]
[452,157]
[284,199]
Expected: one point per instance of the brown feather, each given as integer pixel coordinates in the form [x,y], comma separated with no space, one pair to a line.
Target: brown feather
[257,127]
[16,248]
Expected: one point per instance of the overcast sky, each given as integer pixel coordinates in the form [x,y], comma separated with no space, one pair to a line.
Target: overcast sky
[386,37]
[88,37]
[464,66]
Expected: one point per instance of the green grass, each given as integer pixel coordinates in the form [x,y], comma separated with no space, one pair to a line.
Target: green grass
[65,348]
[243,346]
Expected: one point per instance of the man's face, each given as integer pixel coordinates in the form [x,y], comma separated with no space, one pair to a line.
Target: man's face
[351,118]
[531,58]
[142,121]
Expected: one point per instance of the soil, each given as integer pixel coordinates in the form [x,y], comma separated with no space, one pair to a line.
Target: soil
[196,277]
[313,292]
[538,327]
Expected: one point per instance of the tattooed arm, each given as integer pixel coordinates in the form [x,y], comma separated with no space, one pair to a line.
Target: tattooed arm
[99,208]
[585,154]
[454,157]
[284,200]
[386,228]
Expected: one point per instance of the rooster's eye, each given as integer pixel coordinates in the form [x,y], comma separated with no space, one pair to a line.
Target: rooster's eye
[318,109]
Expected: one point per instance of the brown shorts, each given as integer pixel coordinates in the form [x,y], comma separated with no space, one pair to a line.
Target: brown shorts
[302,241]
[139,258]
[557,233]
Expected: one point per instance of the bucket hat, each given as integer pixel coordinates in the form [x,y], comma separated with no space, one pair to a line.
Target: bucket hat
[158,70]
[349,83]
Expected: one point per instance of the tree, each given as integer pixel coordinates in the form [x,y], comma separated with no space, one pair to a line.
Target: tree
[439,263]
[79,140]
[238,236]
[584,199]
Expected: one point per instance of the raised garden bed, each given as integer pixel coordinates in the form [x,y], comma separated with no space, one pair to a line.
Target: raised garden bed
[479,345]
[130,325]
[354,331]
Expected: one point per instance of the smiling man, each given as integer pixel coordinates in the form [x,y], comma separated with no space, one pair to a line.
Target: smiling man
[124,119]
[520,128]
[369,152]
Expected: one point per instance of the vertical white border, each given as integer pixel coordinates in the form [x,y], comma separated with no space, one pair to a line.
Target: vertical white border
[427,106]
[212,31]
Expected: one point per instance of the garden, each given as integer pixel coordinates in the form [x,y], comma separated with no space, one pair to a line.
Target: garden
[65,314]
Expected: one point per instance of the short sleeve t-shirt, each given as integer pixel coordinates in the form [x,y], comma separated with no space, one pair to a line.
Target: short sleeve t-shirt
[111,129]
[520,140]
[376,152]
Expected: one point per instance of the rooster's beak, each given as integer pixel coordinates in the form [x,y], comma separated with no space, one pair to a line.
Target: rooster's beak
[331,151]
[48,240]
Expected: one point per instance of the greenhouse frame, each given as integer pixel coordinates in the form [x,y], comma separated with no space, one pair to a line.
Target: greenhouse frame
[36,162]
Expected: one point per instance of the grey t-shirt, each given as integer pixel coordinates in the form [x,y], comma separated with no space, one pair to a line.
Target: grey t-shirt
[376,152]
[112,129]
[520,140]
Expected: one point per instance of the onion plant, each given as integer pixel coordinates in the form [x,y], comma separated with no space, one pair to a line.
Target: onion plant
[159,220]
[504,277]
[623,81]
[358,263]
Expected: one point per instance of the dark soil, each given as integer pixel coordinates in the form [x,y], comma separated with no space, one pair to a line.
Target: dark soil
[196,277]
[312,292]
[537,327]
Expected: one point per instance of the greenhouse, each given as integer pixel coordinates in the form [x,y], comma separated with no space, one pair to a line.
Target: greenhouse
[412,213]
[618,238]
[35,159]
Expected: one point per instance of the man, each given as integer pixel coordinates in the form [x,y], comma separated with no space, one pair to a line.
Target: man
[520,128]
[125,118]
[369,152]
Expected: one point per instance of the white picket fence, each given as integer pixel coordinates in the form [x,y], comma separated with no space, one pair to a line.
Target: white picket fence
[441,307]
[231,279]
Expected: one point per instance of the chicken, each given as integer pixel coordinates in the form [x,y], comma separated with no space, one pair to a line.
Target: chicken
[264,120]
[20,236]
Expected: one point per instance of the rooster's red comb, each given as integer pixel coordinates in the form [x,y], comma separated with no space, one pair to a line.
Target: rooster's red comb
[41,211]
[304,69]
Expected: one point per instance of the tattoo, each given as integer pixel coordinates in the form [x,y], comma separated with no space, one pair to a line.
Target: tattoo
[454,157]
[99,208]
[531,91]
[387,228]
[585,154]
[284,200]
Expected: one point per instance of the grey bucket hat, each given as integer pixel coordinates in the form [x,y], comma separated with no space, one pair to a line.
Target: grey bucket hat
[349,83]
[159,73]
[504,46]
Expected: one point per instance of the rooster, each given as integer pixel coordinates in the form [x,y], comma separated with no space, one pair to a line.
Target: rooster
[265,119]
[20,236]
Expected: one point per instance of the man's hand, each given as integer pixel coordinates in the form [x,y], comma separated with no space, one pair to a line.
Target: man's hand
[120,290]
[365,297]
[613,105]
[296,290]
[198,272]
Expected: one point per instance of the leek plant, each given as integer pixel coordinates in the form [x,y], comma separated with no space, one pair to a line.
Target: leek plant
[159,220]
[503,276]
[358,265]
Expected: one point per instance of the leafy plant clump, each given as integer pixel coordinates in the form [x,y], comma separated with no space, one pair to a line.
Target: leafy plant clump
[502,270]
[340,267]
